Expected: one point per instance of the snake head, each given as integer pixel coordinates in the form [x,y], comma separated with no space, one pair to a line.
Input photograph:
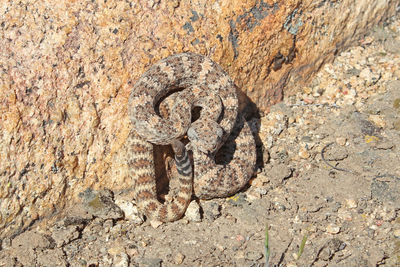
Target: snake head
[205,135]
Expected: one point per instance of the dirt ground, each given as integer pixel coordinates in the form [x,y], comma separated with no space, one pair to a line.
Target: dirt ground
[328,174]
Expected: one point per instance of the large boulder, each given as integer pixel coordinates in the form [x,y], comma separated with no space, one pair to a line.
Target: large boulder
[67,68]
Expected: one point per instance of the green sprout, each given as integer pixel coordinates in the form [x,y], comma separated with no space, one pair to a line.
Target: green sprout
[302,245]
[266,245]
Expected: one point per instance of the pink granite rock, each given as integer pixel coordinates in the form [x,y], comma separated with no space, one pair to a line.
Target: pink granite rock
[67,68]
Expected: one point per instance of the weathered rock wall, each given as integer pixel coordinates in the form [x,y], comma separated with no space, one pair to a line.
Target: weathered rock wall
[67,68]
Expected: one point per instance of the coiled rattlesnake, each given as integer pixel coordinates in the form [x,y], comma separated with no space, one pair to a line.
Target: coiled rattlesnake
[192,80]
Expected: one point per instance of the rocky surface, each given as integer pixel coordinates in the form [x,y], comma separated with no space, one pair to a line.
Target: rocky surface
[328,173]
[67,68]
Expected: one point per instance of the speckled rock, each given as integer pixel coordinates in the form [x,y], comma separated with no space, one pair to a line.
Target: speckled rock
[67,68]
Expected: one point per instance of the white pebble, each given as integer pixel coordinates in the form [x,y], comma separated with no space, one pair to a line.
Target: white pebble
[193,212]
[131,212]
[333,229]
[351,203]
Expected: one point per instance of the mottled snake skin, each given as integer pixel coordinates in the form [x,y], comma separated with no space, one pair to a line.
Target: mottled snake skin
[180,83]
[141,162]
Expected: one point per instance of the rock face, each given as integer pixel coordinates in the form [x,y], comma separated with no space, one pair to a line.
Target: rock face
[67,68]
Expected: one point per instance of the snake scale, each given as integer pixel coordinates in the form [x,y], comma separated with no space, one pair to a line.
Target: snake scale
[179,84]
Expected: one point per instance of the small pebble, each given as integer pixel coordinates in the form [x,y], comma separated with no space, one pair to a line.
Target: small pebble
[377,120]
[155,223]
[303,153]
[341,141]
[178,259]
[261,191]
[131,212]
[333,229]
[193,212]
[351,203]
[374,227]
[295,256]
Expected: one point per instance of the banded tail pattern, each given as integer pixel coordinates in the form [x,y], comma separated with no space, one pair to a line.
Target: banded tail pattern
[143,170]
